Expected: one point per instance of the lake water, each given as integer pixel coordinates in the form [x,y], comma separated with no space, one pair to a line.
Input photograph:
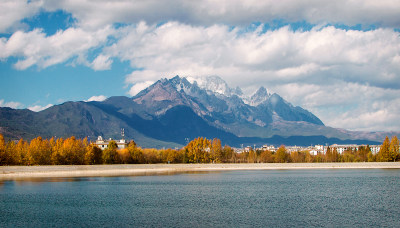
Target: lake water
[278,198]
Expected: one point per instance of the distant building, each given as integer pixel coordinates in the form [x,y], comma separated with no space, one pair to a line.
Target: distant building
[292,149]
[247,149]
[342,148]
[375,148]
[268,147]
[103,144]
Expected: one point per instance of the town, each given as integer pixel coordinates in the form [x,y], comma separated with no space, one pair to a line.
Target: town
[313,150]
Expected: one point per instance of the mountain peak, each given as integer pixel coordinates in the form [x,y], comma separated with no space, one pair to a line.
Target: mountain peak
[260,96]
[216,84]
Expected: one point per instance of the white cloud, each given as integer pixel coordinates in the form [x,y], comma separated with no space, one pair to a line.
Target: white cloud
[101,63]
[347,105]
[137,87]
[38,108]
[35,48]
[13,11]
[97,98]
[95,14]
[11,104]
[274,57]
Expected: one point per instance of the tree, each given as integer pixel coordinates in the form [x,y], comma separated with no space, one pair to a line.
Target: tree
[135,153]
[216,151]
[151,156]
[362,153]
[11,151]
[93,155]
[297,157]
[198,150]
[110,155]
[266,157]
[57,157]
[371,157]
[228,154]
[384,151]
[21,152]
[3,151]
[39,152]
[281,155]
[328,155]
[251,156]
[394,149]
[308,157]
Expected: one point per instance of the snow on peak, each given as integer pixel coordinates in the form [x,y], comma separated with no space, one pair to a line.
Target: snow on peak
[215,84]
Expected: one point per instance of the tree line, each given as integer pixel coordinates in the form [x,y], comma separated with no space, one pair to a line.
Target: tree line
[72,151]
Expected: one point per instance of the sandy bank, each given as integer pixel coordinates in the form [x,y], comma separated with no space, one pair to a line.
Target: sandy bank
[22,172]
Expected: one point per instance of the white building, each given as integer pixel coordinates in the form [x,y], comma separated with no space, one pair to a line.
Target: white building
[103,144]
[375,148]
[268,147]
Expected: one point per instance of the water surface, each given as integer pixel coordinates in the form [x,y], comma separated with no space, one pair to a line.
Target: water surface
[275,198]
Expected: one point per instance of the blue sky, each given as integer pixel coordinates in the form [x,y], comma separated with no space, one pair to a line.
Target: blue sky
[338,59]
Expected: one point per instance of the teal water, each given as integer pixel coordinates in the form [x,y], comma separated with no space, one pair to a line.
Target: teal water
[280,198]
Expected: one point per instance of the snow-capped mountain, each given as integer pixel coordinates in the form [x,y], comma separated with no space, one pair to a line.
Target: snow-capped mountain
[171,110]
[221,106]
[215,84]
[258,97]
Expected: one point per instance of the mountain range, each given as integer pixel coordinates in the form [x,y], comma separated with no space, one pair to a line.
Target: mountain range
[172,111]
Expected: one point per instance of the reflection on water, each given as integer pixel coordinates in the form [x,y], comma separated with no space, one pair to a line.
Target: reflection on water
[274,198]
[40,180]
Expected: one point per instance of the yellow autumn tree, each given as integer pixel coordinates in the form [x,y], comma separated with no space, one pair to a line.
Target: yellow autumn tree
[216,155]
[21,152]
[93,155]
[39,152]
[198,150]
[394,148]
[3,152]
[383,154]
[281,155]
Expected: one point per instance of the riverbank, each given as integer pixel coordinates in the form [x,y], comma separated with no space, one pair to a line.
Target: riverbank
[24,172]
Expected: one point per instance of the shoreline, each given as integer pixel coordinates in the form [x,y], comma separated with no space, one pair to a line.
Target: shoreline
[63,171]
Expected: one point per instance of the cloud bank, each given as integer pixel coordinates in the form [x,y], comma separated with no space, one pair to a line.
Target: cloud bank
[95,14]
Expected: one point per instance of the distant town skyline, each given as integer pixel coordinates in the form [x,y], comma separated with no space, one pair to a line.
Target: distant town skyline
[337,59]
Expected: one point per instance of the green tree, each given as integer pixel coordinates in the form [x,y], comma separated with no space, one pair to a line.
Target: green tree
[110,155]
